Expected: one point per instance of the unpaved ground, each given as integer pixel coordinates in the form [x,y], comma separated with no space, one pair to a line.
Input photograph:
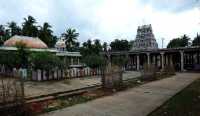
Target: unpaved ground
[139,101]
[33,89]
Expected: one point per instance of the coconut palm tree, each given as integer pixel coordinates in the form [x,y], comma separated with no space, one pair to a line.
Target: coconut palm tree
[14,29]
[45,34]
[29,28]
[105,46]
[4,34]
[182,41]
[70,37]
[196,41]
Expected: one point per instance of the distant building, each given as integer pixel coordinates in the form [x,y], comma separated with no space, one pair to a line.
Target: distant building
[30,42]
[35,44]
[60,45]
[145,39]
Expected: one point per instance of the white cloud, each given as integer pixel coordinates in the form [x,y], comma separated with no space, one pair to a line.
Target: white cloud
[108,19]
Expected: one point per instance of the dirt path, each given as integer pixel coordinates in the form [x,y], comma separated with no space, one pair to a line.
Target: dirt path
[138,101]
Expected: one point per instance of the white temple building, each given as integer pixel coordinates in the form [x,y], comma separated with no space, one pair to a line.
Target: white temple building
[37,45]
[145,39]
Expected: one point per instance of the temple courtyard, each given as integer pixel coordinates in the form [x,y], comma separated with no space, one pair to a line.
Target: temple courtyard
[138,101]
[35,89]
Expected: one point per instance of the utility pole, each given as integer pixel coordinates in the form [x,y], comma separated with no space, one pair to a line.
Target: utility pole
[162,41]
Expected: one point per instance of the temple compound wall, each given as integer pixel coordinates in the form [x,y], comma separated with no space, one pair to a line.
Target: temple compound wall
[182,59]
[145,51]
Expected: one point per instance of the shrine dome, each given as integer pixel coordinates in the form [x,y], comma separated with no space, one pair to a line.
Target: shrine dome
[30,42]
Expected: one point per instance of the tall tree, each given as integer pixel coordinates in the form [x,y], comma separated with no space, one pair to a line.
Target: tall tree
[105,46]
[131,44]
[196,41]
[97,47]
[70,37]
[183,41]
[76,47]
[14,29]
[2,30]
[29,28]
[90,47]
[45,61]
[4,34]
[119,45]
[54,40]
[45,34]
[86,48]
[22,55]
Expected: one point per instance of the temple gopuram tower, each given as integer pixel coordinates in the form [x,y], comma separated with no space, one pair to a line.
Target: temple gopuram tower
[145,39]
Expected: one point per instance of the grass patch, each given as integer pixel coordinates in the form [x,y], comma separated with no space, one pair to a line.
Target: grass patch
[66,102]
[186,103]
[67,82]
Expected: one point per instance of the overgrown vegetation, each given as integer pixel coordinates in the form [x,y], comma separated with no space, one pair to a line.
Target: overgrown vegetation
[63,102]
[186,103]
[151,72]
[70,37]
[45,61]
[12,98]
[179,42]
[67,101]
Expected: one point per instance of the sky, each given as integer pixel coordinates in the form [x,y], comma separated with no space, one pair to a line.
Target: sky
[109,19]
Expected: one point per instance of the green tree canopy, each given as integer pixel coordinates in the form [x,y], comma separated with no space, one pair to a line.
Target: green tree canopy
[45,61]
[45,34]
[105,46]
[14,28]
[119,60]
[179,42]
[120,45]
[97,47]
[29,28]
[71,39]
[4,34]
[196,41]
[22,55]
[90,47]
[94,61]
[9,59]
[90,52]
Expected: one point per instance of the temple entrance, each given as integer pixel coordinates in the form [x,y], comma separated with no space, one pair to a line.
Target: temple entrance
[174,59]
[192,60]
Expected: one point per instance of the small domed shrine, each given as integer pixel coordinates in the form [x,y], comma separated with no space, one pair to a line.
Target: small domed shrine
[30,42]
[60,44]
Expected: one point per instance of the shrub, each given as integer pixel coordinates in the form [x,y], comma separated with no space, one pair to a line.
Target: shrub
[45,61]
[149,72]
[168,70]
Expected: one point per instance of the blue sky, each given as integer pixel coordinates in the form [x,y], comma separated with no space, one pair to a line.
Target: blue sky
[109,19]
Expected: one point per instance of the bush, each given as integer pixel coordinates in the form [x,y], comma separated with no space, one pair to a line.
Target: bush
[168,70]
[45,61]
[149,72]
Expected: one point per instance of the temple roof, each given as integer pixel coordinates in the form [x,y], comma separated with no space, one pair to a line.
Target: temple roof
[30,42]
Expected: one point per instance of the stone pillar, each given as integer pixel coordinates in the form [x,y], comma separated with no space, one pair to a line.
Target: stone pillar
[154,60]
[138,62]
[162,60]
[198,57]
[72,61]
[64,60]
[78,60]
[148,59]
[182,60]
[166,59]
